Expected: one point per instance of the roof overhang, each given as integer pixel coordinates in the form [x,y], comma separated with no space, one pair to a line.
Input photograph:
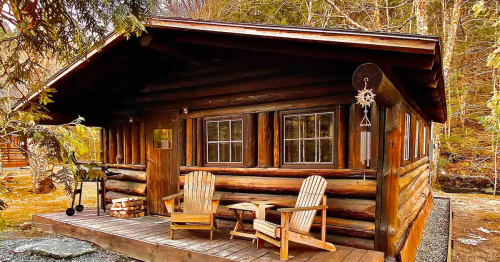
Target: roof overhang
[390,42]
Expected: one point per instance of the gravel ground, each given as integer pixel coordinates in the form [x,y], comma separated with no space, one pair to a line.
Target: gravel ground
[434,243]
[101,255]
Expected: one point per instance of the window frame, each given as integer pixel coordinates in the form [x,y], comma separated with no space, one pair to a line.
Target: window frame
[406,137]
[424,141]
[206,142]
[310,111]
[416,140]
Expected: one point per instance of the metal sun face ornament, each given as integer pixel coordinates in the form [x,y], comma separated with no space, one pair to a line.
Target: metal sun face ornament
[365,99]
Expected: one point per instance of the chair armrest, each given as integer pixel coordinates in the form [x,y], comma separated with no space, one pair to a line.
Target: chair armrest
[297,209]
[173,196]
[215,202]
[216,197]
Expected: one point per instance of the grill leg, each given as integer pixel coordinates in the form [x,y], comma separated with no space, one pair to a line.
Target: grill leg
[98,199]
[81,190]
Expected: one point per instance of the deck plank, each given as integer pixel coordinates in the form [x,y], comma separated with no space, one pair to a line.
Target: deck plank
[355,255]
[148,239]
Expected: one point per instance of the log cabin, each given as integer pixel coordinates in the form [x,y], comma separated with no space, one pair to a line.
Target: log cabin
[263,107]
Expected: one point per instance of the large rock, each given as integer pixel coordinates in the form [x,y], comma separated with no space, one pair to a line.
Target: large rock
[58,248]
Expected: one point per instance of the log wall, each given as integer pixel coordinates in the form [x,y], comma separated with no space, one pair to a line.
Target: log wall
[124,152]
[351,192]
[414,190]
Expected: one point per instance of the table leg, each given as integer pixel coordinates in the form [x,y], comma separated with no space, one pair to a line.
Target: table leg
[239,222]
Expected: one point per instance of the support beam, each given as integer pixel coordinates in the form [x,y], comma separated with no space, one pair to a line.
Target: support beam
[371,76]
[170,49]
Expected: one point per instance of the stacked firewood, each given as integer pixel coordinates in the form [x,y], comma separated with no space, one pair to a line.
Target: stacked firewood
[127,207]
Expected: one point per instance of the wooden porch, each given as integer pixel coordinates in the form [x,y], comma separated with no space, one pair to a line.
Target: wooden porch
[147,239]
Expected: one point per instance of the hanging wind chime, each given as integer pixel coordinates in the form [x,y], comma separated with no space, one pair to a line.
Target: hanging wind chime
[365,98]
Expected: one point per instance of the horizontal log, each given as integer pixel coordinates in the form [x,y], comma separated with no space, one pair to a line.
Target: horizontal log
[359,209]
[126,187]
[111,195]
[343,187]
[131,167]
[295,82]
[408,168]
[410,210]
[406,194]
[274,106]
[127,175]
[406,180]
[406,217]
[338,226]
[370,76]
[283,172]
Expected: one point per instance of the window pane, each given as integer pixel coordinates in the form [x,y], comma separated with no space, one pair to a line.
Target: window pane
[212,131]
[212,152]
[291,151]
[236,130]
[291,127]
[325,123]
[309,151]
[307,127]
[326,150]
[162,138]
[224,131]
[236,153]
[224,152]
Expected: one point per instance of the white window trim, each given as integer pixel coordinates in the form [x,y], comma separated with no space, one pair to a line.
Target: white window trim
[316,138]
[417,137]
[229,141]
[424,145]
[406,149]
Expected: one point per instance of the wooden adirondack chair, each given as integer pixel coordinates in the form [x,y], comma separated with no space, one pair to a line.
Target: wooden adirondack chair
[200,203]
[296,222]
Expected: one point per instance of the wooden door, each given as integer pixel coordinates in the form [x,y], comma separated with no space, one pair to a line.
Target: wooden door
[163,160]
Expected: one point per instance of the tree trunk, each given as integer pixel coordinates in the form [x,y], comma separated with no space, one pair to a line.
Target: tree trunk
[40,171]
[421,16]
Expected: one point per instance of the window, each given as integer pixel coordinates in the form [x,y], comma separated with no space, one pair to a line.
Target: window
[417,135]
[224,141]
[308,138]
[424,142]
[162,138]
[406,151]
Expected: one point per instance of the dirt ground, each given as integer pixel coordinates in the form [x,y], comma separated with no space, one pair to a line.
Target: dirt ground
[471,213]
[23,204]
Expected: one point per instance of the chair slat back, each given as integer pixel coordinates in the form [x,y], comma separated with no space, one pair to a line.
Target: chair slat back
[311,192]
[199,187]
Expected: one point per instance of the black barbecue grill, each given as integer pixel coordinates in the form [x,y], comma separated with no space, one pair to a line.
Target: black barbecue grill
[101,191]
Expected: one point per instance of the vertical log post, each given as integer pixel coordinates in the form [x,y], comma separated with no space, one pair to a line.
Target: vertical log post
[112,144]
[276,136]
[143,143]
[199,141]
[390,191]
[341,115]
[136,144]
[249,143]
[105,145]
[182,141]
[265,140]
[119,143]
[190,142]
[127,142]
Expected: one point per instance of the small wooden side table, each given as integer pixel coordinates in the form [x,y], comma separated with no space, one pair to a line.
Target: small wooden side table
[239,210]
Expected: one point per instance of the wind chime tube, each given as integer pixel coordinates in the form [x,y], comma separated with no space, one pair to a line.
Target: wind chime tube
[363,147]
[368,148]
